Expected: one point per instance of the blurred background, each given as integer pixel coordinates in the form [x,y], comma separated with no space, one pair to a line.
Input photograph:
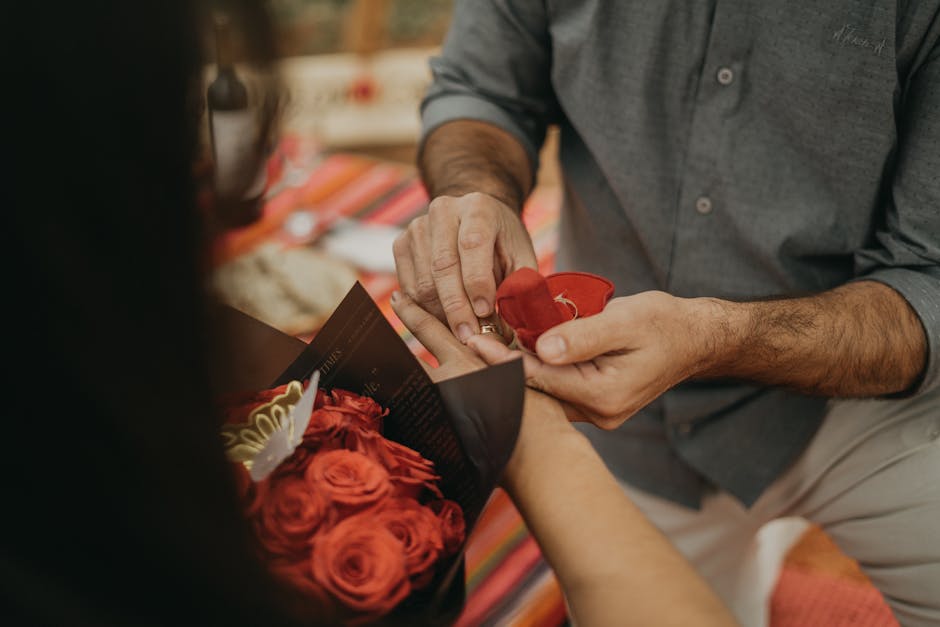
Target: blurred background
[342,181]
[329,26]
[356,69]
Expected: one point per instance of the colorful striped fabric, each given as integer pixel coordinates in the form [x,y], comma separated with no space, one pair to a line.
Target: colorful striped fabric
[508,582]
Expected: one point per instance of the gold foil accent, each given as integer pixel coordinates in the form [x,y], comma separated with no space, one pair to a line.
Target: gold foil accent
[245,441]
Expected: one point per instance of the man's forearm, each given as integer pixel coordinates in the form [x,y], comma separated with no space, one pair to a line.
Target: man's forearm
[466,156]
[861,339]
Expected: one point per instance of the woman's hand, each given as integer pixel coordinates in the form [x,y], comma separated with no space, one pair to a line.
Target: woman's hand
[454,358]
[543,419]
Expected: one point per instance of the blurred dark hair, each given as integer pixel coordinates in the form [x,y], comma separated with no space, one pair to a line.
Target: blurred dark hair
[118,504]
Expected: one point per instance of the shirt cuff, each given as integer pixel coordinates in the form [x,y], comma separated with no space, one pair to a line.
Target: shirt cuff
[437,110]
[922,292]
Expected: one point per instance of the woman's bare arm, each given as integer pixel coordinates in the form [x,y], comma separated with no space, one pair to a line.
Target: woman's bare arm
[614,566]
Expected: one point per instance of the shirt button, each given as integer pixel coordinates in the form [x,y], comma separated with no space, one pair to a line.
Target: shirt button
[725,76]
[684,429]
[703,205]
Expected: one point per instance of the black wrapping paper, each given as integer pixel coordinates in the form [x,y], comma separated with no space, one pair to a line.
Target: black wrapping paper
[467,426]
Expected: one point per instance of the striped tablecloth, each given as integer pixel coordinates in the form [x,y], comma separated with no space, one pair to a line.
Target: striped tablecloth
[508,582]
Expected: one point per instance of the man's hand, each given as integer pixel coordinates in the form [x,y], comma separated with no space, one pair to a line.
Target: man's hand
[451,260]
[608,366]
[858,340]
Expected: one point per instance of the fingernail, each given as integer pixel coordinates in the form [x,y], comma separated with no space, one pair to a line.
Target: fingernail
[481,307]
[464,332]
[551,347]
[396,296]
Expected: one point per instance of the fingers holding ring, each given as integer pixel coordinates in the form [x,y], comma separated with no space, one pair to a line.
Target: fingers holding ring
[496,328]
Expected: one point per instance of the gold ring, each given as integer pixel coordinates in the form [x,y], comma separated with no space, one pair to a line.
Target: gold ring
[486,327]
[567,301]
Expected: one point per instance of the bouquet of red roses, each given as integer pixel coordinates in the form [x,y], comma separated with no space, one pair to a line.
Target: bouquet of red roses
[347,491]
[342,513]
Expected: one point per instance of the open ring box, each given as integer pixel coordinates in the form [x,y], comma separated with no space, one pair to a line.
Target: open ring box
[467,426]
[532,304]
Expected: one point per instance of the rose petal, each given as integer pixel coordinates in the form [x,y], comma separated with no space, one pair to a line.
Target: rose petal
[348,479]
[419,531]
[453,525]
[362,565]
[290,514]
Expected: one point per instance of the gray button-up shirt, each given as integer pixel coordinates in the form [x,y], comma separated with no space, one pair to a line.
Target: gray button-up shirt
[736,149]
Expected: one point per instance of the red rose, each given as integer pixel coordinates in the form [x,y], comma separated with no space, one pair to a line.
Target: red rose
[339,519]
[419,531]
[411,474]
[297,463]
[360,404]
[290,515]
[251,494]
[362,565]
[321,399]
[329,425]
[349,479]
[453,525]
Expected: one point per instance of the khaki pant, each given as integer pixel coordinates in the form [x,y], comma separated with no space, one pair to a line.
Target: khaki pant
[870,478]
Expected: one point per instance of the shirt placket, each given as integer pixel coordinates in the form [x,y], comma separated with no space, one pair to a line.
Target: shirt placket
[703,183]
[702,195]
